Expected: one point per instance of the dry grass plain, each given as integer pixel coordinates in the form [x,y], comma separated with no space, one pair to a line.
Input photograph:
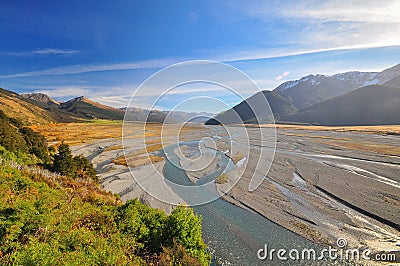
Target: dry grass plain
[78,133]
[89,132]
[383,129]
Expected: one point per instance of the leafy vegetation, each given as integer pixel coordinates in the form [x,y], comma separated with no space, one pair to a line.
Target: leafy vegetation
[46,222]
[35,143]
[73,166]
[10,138]
[52,219]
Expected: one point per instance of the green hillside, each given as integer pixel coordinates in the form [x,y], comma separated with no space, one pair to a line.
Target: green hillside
[51,219]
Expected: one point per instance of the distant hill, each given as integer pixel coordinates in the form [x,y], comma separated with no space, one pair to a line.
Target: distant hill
[39,108]
[370,105]
[245,111]
[86,108]
[138,114]
[40,97]
[16,106]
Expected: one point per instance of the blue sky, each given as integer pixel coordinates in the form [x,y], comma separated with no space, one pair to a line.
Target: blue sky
[106,49]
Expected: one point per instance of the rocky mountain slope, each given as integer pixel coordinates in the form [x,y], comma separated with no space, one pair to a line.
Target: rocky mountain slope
[40,97]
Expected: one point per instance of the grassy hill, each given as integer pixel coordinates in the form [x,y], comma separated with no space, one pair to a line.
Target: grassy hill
[41,109]
[19,107]
[86,108]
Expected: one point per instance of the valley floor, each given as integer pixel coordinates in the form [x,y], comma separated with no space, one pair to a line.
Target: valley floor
[324,183]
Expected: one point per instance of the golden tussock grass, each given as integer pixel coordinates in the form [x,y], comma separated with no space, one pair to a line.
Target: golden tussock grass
[140,157]
[75,133]
[367,146]
[138,160]
[237,157]
[114,147]
[382,129]
[313,136]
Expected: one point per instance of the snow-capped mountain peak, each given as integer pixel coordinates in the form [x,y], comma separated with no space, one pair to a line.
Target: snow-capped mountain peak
[312,89]
[355,78]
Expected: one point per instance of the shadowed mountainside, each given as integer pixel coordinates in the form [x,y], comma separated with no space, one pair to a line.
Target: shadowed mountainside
[246,110]
[327,100]
[370,105]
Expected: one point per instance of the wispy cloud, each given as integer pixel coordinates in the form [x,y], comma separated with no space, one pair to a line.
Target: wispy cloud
[115,101]
[311,27]
[372,12]
[78,69]
[284,52]
[333,24]
[281,76]
[65,91]
[164,62]
[45,51]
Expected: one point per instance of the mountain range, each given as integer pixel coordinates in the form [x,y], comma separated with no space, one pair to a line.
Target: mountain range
[39,108]
[350,98]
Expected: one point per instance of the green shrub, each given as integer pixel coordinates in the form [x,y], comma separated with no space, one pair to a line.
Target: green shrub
[143,222]
[35,143]
[84,168]
[72,166]
[18,157]
[64,161]
[184,227]
[10,138]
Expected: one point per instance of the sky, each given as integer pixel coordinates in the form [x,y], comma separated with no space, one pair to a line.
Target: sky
[104,50]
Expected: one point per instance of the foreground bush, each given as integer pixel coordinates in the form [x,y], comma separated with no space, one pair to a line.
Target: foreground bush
[73,166]
[61,221]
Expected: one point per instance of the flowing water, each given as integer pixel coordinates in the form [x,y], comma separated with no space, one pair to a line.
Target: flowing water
[234,235]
